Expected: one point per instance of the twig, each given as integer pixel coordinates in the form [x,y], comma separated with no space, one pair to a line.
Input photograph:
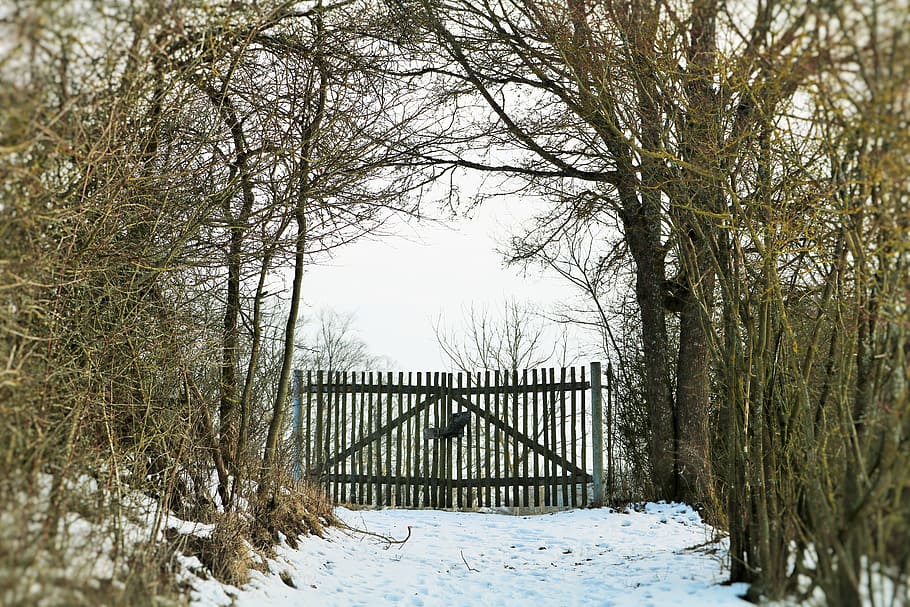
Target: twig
[466,563]
[384,538]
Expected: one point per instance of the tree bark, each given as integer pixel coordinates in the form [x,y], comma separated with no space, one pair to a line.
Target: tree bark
[642,237]
[703,188]
[696,482]
[230,337]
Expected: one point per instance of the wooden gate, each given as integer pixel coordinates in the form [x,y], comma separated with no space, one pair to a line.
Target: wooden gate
[448,440]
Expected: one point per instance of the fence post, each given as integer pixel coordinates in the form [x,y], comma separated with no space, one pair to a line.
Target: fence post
[597,434]
[298,423]
[610,413]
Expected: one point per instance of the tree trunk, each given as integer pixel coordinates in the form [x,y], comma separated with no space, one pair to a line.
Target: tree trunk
[649,290]
[227,413]
[702,187]
[311,126]
[696,484]
[277,423]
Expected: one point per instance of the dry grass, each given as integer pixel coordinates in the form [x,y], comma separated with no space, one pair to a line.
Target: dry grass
[226,553]
[301,510]
[229,551]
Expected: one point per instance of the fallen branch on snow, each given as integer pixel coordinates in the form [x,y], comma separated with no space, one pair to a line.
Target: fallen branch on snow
[466,562]
[384,538]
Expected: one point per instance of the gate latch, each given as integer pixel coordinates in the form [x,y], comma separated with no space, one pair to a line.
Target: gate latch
[455,427]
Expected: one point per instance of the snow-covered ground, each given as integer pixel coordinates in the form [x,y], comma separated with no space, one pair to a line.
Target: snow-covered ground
[661,555]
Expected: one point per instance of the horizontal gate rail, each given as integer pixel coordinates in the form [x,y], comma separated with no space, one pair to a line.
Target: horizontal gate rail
[333,388]
[532,481]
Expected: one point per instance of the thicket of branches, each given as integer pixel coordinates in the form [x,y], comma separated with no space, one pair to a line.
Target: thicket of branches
[161,162]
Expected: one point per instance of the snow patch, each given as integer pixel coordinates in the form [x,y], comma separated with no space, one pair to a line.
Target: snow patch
[658,554]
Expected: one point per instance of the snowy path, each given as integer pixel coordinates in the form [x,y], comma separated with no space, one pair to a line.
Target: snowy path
[581,557]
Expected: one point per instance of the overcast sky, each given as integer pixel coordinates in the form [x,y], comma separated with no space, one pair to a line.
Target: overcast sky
[397,286]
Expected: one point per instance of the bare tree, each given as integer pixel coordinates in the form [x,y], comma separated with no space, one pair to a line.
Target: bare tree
[513,339]
[334,346]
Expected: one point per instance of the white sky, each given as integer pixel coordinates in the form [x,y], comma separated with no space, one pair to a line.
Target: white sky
[397,286]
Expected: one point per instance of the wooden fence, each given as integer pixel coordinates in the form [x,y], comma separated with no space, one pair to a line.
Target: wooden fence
[453,440]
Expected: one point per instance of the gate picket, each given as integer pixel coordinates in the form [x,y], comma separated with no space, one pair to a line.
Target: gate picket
[554,421]
[388,440]
[426,452]
[536,425]
[447,445]
[486,443]
[562,437]
[516,459]
[498,443]
[399,486]
[459,492]
[526,453]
